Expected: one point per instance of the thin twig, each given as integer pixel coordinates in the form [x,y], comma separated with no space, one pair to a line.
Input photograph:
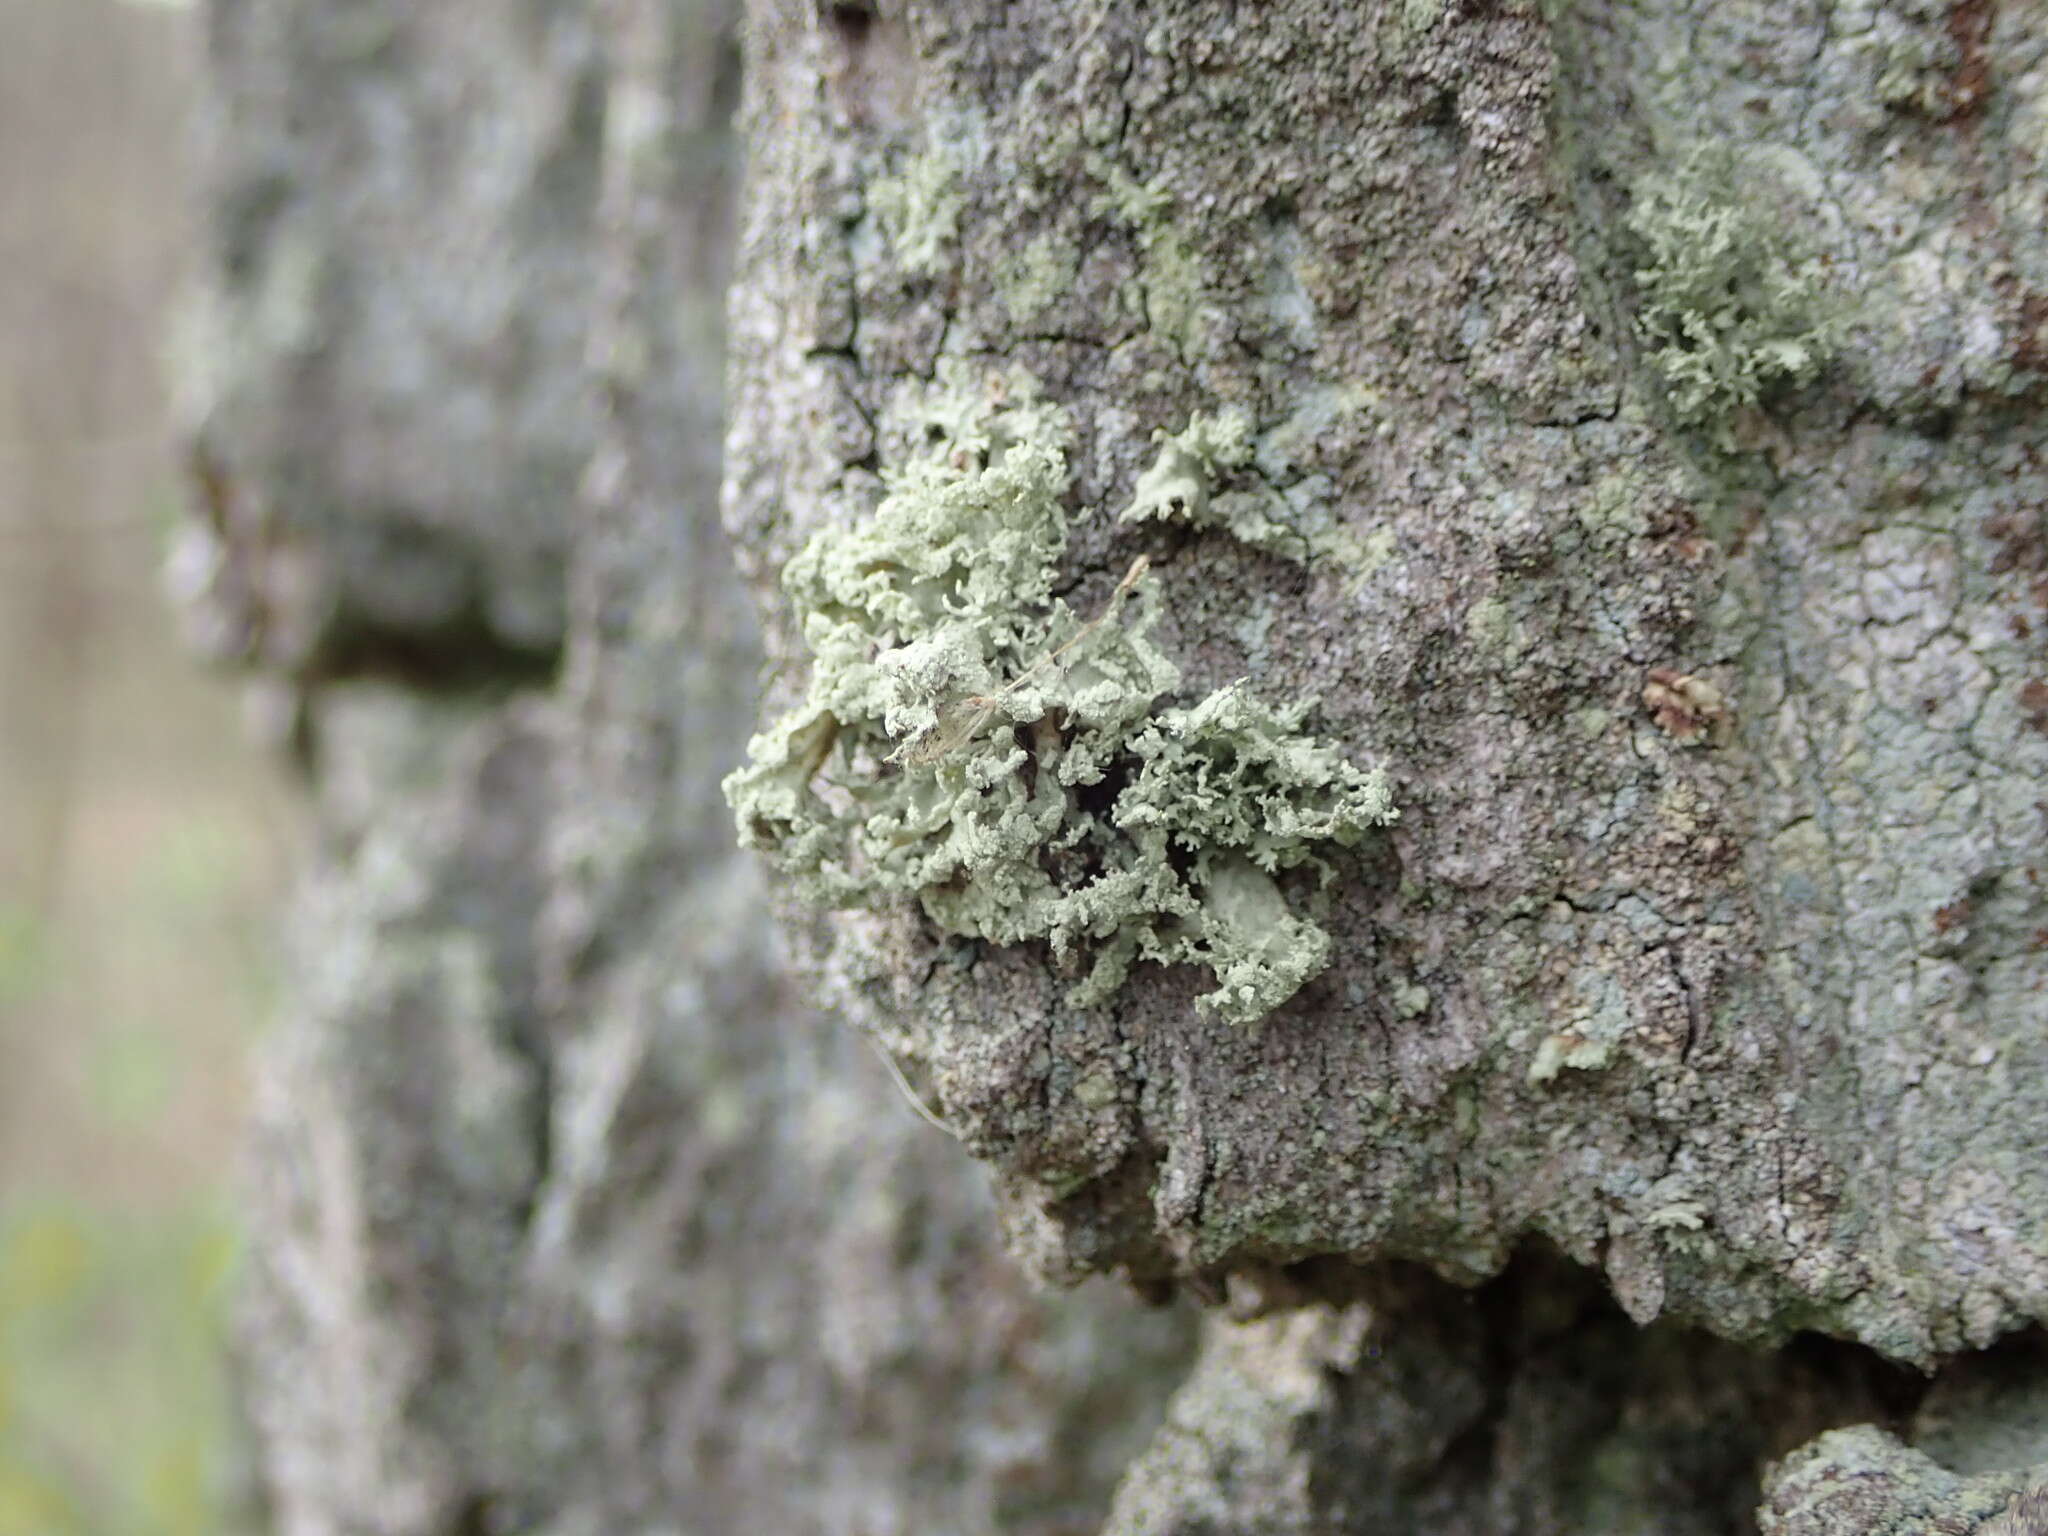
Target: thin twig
[924,1113]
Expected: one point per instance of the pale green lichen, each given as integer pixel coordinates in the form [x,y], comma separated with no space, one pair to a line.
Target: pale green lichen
[1492,624]
[1581,1054]
[1614,513]
[1181,485]
[1683,1215]
[970,741]
[1590,1041]
[1031,280]
[1912,58]
[1411,999]
[1414,18]
[1170,283]
[919,206]
[1220,474]
[1729,312]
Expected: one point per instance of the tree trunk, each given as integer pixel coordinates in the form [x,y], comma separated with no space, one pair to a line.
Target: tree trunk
[1624,424]
[571,1217]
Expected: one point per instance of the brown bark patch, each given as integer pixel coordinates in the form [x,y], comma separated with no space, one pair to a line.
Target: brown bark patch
[2034,700]
[1969,29]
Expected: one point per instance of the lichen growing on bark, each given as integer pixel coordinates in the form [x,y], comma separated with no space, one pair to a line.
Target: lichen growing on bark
[1170,282]
[1858,1480]
[919,205]
[1031,280]
[1729,311]
[1182,486]
[971,741]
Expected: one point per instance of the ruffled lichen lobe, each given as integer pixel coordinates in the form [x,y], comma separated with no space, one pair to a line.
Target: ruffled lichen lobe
[1730,310]
[971,741]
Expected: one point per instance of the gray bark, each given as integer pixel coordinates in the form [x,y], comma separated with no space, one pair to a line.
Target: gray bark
[1655,395]
[571,1216]
[1747,1016]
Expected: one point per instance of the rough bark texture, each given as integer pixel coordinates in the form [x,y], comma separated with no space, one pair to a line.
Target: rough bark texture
[1655,392]
[1534,1404]
[1654,396]
[1744,1010]
[571,1217]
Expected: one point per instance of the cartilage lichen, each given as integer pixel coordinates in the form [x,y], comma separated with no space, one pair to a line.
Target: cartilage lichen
[970,741]
[1727,309]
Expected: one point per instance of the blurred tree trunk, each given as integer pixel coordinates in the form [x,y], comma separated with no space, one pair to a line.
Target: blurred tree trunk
[570,1216]
[1650,401]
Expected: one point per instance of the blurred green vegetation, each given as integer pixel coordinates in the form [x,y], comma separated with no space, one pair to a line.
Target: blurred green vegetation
[124,1016]
[112,1393]
[22,945]
[142,841]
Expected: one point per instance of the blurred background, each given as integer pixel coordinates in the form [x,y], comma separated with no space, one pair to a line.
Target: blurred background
[143,840]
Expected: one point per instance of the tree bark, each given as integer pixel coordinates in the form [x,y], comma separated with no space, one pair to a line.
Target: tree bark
[570,1216]
[1660,453]
[1643,466]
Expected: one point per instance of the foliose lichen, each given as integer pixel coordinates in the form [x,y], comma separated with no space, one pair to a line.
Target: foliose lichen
[1729,311]
[1170,282]
[1031,280]
[970,741]
[918,206]
[1181,485]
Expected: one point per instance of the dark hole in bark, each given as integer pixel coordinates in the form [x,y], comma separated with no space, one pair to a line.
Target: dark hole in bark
[851,23]
[1459,1394]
